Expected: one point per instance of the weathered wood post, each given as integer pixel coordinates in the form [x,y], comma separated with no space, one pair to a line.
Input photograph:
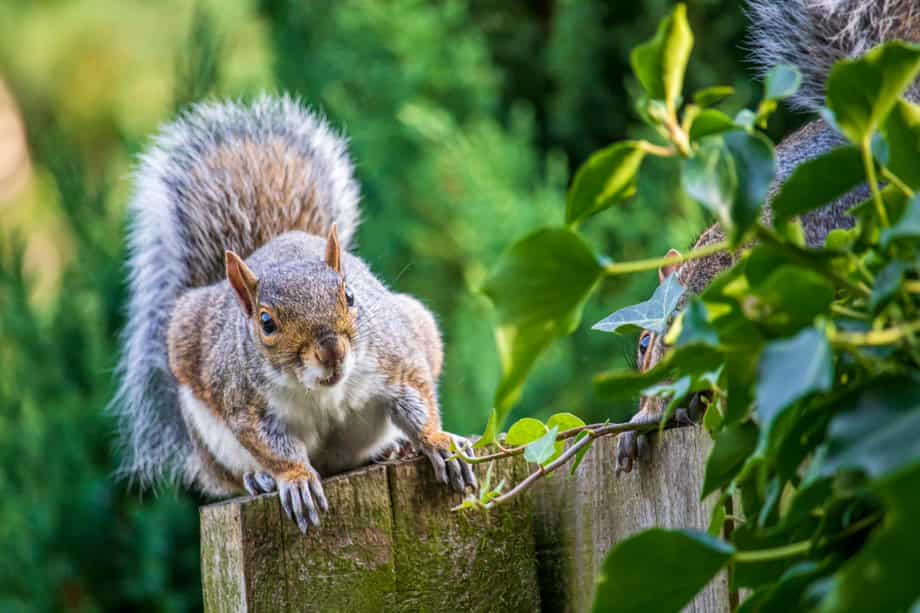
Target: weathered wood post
[391,543]
[578,520]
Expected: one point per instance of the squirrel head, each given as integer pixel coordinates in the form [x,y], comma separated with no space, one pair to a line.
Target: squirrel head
[301,315]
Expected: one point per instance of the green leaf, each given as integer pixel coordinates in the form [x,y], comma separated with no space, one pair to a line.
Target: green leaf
[649,572]
[710,122]
[883,575]
[538,287]
[861,92]
[792,297]
[524,431]
[886,285]
[908,226]
[711,95]
[490,433]
[782,81]
[650,315]
[790,369]
[754,167]
[902,133]
[543,448]
[565,421]
[877,430]
[710,178]
[818,182]
[607,178]
[622,384]
[677,391]
[660,63]
[695,326]
[730,450]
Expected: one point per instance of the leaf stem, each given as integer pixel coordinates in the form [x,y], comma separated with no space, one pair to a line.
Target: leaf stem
[621,268]
[897,182]
[774,553]
[876,338]
[873,182]
[658,150]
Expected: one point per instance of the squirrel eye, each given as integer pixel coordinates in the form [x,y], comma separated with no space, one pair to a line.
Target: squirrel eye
[644,341]
[268,324]
[349,297]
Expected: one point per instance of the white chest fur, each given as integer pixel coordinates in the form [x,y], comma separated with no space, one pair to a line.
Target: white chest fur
[342,426]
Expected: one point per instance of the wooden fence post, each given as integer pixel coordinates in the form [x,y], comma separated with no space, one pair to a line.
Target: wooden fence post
[391,543]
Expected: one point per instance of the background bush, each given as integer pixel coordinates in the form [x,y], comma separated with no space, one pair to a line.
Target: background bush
[465,119]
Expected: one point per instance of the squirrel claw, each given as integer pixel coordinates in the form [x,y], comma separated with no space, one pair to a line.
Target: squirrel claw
[454,472]
[300,498]
[259,483]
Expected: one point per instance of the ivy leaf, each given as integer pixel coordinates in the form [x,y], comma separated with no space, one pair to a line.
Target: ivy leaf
[883,575]
[886,285]
[524,431]
[731,449]
[861,92]
[539,288]
[565,421]
[542,449]
[677,391]
[781,82]
[877,430]
[908,226]
[631,580]
[650,315]
[710,122]
[607,178]
[794,297]
[711,95]
[710,178]
[902,133]
[621,384]
[490,433]
[695,326]
[817,182]
[754,167]
[790,369]
[660,63]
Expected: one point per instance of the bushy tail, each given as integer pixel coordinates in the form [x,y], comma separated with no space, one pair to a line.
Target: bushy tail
[223,176]
[813,34]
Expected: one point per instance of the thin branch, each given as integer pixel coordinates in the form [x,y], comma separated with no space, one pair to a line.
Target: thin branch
[873,182]
[876,338]
[569,453]
[621,268]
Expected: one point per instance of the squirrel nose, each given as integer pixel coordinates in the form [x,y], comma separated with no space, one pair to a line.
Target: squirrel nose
[329,350]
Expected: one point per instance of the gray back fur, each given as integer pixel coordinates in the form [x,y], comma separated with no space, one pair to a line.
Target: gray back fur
[222,176]
[813,34]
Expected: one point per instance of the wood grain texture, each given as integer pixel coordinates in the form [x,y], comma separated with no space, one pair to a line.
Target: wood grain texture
[389,542]
[465,561]
[579,520]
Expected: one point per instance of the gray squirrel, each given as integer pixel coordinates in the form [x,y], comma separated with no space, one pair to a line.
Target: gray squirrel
[811,35]
[259,355]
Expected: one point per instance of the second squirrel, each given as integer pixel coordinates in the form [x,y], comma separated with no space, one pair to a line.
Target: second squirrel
[259,354]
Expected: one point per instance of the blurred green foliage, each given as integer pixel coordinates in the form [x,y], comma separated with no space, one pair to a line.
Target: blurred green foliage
[465,120]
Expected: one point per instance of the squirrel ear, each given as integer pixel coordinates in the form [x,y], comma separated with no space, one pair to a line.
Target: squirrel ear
[334,251]
[243,281]
[665,271]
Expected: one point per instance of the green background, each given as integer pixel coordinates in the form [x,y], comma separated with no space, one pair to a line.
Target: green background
[466,122]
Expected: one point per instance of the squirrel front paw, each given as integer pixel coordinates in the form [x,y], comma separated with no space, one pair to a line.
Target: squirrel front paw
[301,492]
[447,469]
[633,447]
